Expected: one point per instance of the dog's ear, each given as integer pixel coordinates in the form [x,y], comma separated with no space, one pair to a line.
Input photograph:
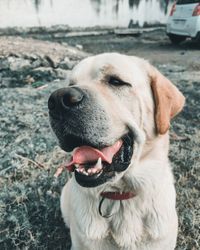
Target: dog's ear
[169,101]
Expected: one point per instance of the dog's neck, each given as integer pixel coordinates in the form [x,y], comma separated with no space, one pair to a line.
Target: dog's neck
[151,147]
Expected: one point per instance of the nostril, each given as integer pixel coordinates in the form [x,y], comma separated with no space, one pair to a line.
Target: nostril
[51,103]
[72,98]
[64,98]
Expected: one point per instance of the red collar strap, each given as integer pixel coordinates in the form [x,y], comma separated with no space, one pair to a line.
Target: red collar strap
[118,196]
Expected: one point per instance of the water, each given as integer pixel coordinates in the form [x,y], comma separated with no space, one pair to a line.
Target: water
[81,13]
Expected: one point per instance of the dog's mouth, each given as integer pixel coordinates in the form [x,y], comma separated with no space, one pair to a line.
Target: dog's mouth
[94,167]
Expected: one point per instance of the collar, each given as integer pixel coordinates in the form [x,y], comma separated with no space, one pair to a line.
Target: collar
[118,195]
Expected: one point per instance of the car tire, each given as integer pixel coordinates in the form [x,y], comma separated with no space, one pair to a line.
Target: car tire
[176,39]
[197,38]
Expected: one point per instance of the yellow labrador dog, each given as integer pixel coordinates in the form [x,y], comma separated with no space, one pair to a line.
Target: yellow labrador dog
[115,116]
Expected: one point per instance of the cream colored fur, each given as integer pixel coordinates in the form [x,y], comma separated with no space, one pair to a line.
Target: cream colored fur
[149,220]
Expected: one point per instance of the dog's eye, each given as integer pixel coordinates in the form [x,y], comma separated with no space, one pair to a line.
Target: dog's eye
[117,82]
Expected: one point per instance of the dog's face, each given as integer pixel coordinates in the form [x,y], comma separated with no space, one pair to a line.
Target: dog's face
[113,106]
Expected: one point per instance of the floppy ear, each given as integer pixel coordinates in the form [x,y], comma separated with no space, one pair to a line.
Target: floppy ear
[169,101]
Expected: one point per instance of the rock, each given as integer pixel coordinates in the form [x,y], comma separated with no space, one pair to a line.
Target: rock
[79,46]
[44,62]
[53,60]
[176,68]
[58,28]
[36,63]
[5,82]
[29,79]
[30,56]
[66,64]
[18,64]
[42,73]
[31,61]
[62,74]
[171,68]
[4,64]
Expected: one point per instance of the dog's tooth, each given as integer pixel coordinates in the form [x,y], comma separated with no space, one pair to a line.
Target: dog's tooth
[94,170]
[99,161]
[81,170]
[99,173]
[98,170]
[89,170]
[84,172]
[99,164]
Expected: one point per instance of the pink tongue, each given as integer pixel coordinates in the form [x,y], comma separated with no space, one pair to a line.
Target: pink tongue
[87,154]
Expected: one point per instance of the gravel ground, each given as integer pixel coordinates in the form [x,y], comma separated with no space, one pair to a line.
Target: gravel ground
[29,199]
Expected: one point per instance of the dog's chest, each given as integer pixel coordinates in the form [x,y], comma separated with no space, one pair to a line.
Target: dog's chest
[120,223]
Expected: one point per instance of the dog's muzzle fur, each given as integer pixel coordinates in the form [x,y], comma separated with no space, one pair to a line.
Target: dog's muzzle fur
[77,120]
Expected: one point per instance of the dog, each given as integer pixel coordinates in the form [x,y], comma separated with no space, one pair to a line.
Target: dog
[114,117]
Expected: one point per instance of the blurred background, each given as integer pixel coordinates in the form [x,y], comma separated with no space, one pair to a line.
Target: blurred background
[84,13]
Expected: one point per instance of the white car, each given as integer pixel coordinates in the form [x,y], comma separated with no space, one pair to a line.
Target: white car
[184,21]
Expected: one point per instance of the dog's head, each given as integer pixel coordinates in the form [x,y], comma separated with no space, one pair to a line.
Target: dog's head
[114,105]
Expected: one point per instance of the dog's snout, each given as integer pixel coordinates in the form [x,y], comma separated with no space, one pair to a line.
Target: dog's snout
[65,98]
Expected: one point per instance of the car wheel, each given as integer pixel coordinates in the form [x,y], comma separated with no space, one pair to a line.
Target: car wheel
[197,38]
[176,39]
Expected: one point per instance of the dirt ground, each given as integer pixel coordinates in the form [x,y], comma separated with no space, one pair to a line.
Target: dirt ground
[154,45]
[29,198]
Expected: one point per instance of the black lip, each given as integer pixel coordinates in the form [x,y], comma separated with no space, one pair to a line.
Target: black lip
[74,140]
[120,163]
[77,141]
[94,180]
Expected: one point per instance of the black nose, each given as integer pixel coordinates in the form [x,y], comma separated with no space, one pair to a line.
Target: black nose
[65,98]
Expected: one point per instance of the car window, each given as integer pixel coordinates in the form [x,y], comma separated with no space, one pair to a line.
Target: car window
[187,1]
